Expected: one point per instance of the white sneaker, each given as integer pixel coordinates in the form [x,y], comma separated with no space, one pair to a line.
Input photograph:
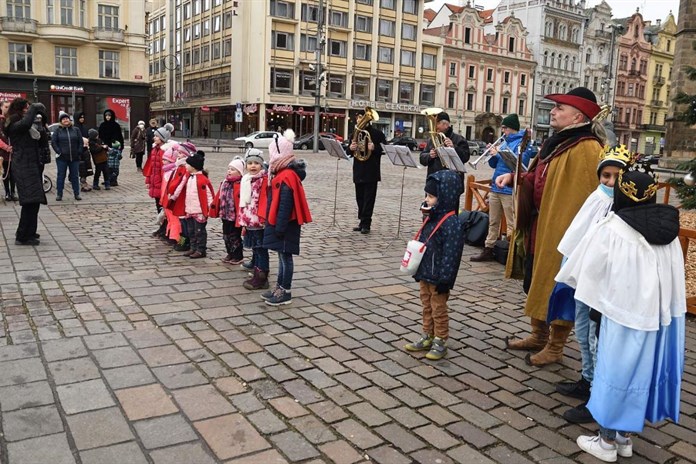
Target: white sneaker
[593,446]
[625,450]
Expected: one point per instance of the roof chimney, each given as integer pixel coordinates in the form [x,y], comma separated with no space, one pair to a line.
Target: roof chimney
[659,21]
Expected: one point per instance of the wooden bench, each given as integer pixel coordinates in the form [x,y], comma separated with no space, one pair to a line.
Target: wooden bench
[219,147]
[476,199]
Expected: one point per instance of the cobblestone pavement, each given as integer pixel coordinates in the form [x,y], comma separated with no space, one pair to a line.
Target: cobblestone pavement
[116,349]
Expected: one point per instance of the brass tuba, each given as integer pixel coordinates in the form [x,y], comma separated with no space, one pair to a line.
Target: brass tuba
[362,137]
[436,137]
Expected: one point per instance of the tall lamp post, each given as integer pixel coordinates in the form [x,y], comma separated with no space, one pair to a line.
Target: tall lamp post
[609,94]
[318,76]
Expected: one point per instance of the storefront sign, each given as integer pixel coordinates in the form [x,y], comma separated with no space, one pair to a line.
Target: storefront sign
[67,88]
[249,109]
[12,95]
[205,109]
[387,106]
[138,77]
[120,107]
[282,108]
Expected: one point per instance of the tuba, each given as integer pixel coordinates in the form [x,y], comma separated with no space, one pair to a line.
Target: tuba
[362,137]
[437,138]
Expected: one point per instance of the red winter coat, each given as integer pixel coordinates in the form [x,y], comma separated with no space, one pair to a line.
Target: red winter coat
[154,176]
[178,205]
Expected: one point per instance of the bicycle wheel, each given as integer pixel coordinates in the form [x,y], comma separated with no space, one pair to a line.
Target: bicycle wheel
[47,184]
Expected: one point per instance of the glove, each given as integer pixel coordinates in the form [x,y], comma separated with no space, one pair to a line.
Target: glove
[442,288]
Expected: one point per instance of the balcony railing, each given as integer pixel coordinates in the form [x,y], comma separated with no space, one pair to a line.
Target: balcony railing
[605,34]
[654,127]
[620,124]
[107,33]
[656,102]
[658,80]
[10,24]
[634,72]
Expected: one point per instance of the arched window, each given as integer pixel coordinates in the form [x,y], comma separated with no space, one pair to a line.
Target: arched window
[553,60]
[550,88]
[563,32]
[565,63]
[563,88]
[546,59]
[575,35]
[548,29]
[600,54]
[572,61]
[558,87]
[633,64]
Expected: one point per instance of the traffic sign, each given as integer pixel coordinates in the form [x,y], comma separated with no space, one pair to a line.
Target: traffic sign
[238,116]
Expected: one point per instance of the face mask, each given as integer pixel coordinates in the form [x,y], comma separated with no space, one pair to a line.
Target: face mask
[608,191]
[425,209]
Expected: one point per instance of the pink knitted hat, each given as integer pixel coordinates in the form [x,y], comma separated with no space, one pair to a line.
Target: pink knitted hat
[281,147]
[238,164]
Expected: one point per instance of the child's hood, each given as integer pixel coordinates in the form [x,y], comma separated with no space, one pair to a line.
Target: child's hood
[449,189]
[300,168]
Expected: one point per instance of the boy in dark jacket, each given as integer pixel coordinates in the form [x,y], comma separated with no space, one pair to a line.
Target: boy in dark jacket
[67,143]
[98,149]
[440,264]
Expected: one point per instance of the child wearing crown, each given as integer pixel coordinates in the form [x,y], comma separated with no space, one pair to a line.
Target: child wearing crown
[562,304]
[629,268]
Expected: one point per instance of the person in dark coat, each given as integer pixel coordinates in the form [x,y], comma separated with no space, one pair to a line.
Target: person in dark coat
[110,131]
[138,145]
[6,155]
[67,143]
[86,160]
[27,167]
[439,266]
[287,212]
[366,176]
[429,157]
[150,135]
[98,150]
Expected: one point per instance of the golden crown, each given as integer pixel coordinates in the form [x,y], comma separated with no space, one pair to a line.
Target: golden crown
[629,188]
[618,153]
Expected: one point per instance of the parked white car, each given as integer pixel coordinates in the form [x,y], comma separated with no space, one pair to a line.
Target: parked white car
[258,139]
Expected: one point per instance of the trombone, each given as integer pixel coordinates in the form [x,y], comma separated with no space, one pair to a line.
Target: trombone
[485,154]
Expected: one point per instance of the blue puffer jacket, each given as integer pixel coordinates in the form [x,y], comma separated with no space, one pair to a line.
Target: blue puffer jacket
[67,143]
[443,253]
[285,235]
[512,142]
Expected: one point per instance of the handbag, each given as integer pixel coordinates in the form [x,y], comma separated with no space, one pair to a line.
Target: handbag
[416,249]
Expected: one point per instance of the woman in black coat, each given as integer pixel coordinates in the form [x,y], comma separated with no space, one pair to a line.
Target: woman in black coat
[27,167]
[110,131]
[85,160]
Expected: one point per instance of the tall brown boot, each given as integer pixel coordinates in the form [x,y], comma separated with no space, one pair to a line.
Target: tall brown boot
[553,351]
[536,341]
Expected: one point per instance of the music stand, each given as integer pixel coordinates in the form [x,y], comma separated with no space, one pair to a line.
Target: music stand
[400,156]
[450,159]
[510,159]
[335,149]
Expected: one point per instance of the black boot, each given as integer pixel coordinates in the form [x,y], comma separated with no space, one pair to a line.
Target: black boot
[486,255]
[579,414]
[579,389]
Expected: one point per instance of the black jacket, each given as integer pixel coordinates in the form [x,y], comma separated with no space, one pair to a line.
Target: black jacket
[443,253]
[110,131]
[27,168]
[460,146]
[285,235]
[67,143]
[84,130]
[369,171]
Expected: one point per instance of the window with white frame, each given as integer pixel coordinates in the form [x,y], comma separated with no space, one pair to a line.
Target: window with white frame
[282,40]
[410,6]
[187,34]
[196,7]
[361,87]
[408,58]
[427,94]
[385,55]
[196,55]
[19,9]
[472,72]
[451,98]
[405,92]
[227,20]
[281,80]
[206,27]
[469,101]
[50,11]
[20,57]
[409,31]
[309,13]
[83,9]
[384,90]
[205,53]
[227,47]
[66,61]
[217,23]
[337,86]
[66,12]
[489,102]
[452,68]
[338,18]
[386,28]
[308,43]
[363,51]
[337,48]
[506,78]
[109,64]
[363,23]
[187,10]
[281,9]
[429,61]
[197,31]
[388,4]
[217,52]
[108,17]
[206,5]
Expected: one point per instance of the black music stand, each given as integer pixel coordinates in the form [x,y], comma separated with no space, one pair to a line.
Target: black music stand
[510,160]
[335,149]
[400,156]
[450,159]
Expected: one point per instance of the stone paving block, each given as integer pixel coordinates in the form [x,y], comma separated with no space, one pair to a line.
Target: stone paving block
[162,355]
[388,455]
[288,407]
[378,398]
[116,454]
[13,352]
[505,454]
[294,446]
[25,395]
[341,395]
[431,456]
[400,437]
[116,357]
[407,417]
[436,437]
[164,431]
[231,436]
[84,396]
[270,457]
[471,434]
[328,411]
[73,370]
[357,434]
[145,402]
[189,453]
[247,402]
[340,452]
[465,455]
[202,402]
[128,376]
[513,418]
[368,414]
[52,449]
[313,429]
[179,376]
[229,385]
[99,428]
[20,371]
[57,350]
[513,438]
[31,423]
[302,392]
[437,414]
[148,338]
[266,422]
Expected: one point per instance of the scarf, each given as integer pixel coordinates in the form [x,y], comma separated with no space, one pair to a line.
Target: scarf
[227,197]
[34,132]
[245,188]
[582,130]
[279,163]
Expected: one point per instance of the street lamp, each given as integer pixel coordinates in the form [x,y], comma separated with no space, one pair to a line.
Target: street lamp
[319,75]
[615,28]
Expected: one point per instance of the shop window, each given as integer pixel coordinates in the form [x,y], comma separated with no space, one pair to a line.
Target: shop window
[363,52]
[427,96]
[337,48]
[282,9]
[385,55]
[384,90]
[66,61]
[361,87]
[408,58]
[405,92]
[20,57]
[108,17]
[19,9]
[282,40]
[386,27]
[337,86]
[409,31]
[429,61]
[363,23]
[109,64]
[281,80]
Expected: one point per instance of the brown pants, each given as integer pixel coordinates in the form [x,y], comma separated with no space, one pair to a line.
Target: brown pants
[498,204]
[435,318]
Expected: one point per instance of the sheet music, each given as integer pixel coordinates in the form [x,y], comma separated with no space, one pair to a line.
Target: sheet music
[510,159]
[400,155]
[451,159]
[334,148]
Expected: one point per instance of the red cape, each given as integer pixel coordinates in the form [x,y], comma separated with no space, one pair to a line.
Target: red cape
[300,211]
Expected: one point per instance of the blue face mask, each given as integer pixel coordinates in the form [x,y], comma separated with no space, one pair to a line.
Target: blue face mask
[608,191]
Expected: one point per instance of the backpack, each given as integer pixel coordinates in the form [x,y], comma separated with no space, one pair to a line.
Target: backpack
[474,226]
[500,251]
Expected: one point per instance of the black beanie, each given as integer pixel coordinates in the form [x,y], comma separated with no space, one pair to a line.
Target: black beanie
[196,160]
[634,188]
[431,186]
[443,117]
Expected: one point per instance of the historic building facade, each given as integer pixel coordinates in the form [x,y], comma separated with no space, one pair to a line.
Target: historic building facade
[599,54]
[486,76]
[76,55]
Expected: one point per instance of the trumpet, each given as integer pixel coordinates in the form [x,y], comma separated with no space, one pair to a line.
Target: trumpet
[485,154]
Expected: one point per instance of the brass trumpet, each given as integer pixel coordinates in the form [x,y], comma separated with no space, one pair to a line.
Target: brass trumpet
[485,154]
[437,138]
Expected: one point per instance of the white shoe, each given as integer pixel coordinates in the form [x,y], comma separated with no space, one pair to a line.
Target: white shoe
[625,450]
[593,446]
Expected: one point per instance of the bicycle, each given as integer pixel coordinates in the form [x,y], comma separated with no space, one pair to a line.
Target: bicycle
[47,184]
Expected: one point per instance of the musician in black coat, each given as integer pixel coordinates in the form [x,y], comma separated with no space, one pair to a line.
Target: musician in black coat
[366,176]
[453,140]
